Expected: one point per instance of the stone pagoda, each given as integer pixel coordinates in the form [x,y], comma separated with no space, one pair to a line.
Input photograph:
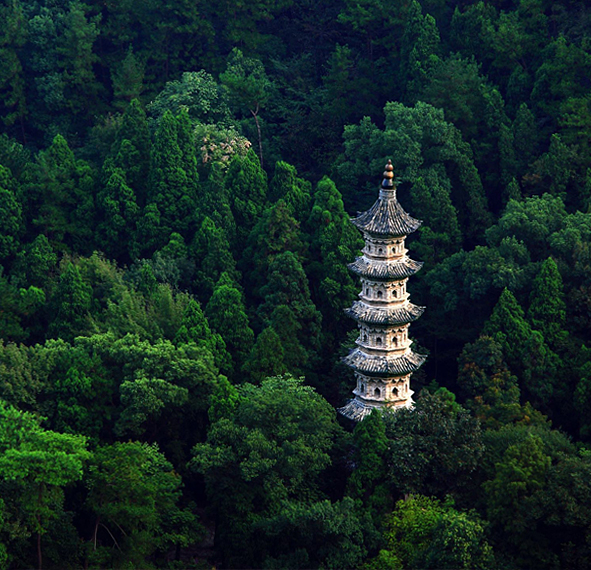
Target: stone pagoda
[383,360]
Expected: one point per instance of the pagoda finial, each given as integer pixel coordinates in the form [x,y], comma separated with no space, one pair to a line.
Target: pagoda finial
[388,181]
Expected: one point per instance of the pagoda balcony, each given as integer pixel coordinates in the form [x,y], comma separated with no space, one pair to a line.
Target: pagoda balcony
[387,315]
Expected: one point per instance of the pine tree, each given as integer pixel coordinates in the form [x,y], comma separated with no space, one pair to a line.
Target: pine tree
[266,357]
[118,213]
[11,222]
[294,191]
[547,309]
[227,316]
[211,251]
[246,182]
[72,302]
[195,328]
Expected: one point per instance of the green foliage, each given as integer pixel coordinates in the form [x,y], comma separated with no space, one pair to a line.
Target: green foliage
[133,495]
[422,532]
[433,447]
[270,452]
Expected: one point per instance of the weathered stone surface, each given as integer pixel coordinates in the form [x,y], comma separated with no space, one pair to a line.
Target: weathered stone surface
[384,315]
[387,365]
[385,270]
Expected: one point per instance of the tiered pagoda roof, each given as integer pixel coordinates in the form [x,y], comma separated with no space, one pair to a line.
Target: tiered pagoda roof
[390,365]
[385,270]
[362,312]
[387,217]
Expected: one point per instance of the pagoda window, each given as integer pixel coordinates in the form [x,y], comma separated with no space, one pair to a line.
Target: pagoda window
[395,341]
[377,393]
[362,388]
[380,251]
[394,391]
[380,294]
[396,293]
[379,341]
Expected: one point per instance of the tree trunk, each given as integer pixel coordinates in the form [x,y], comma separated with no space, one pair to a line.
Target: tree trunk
[255,114]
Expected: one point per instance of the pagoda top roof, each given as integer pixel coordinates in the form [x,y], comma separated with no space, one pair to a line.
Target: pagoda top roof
[386,216]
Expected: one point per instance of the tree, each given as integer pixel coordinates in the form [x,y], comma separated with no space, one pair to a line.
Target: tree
[276,443]
[134,494]
[368,481]
[247,183]
[40,463]
[547,309]
[249,87]
[433,447]
[11,222]
[419,47]
[423,532]
[294,191]
[127,80]
[59,198]
[72,301]
[266,357]
[211,251]
[227,316]
[118,213]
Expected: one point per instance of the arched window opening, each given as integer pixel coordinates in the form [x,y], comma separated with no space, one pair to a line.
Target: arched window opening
[395,341]
[362,388]
[380,251]
[380,294]
[379,341]
[396,293]
[377,393]
[394,391]
[364,337]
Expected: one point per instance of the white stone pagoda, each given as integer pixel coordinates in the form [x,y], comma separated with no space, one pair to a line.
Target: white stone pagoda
[383,360]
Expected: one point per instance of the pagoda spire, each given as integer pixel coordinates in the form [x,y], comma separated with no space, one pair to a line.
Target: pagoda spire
[383,360]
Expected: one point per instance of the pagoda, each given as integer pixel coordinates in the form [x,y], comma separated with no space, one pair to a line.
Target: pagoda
[383,360]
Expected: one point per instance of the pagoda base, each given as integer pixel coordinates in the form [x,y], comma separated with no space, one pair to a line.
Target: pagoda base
[356,409]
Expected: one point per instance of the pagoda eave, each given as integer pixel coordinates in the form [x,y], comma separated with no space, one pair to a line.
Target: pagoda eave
[385,270]
[384,316]
[373,365]
[386,218]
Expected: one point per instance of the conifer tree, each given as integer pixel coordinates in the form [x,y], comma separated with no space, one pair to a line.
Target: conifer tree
[294,191]
[547,309]
[118,213]
[507,325]
[227,316]
[60,199]
[266,357]
[334,243]
[246,183]
[131,150]
[195,328]
[11,222]
[72,302]
[211,251]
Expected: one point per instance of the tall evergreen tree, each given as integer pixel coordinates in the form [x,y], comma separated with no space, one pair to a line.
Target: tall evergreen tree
[547,309]
[227,316]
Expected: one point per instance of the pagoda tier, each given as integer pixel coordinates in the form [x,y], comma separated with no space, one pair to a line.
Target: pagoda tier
[383,360]
[392,365]
[385,270]
[363,312]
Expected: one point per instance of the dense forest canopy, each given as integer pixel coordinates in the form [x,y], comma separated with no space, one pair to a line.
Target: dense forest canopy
[176,183]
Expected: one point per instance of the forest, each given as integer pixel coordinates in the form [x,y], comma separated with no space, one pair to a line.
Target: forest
[177,179]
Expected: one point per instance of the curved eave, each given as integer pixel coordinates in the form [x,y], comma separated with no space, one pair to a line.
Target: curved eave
[384,316]
[387,217]
[384,365]
[384,270]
